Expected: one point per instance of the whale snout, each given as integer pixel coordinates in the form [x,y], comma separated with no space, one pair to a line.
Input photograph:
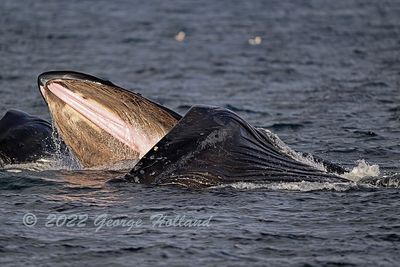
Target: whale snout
[46,77]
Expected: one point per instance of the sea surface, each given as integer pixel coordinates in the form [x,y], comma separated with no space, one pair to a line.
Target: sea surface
[323,75]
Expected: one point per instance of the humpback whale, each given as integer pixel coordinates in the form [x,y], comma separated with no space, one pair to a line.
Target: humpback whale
[24,138]
[103,123]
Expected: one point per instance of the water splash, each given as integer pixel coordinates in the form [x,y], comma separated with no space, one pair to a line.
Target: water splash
[362,170]
[294,186]
[63,157]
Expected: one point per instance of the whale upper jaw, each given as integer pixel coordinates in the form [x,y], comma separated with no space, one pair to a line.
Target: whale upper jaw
[45,77]
[101,122]
[69,75]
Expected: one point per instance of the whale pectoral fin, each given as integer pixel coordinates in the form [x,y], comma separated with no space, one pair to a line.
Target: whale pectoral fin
[211,146]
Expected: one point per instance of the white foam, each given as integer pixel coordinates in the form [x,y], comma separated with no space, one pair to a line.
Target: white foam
[363,169]
[14,170]
[39,165]
[57,162]
[293,186]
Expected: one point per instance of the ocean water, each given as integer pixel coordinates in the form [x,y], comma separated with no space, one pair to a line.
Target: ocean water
[322,75]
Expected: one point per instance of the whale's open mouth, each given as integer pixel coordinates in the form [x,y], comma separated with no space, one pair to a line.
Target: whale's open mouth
[101,122]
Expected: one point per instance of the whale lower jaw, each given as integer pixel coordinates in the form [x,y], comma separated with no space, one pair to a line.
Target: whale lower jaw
[100,122]
[94,112]
[211,146]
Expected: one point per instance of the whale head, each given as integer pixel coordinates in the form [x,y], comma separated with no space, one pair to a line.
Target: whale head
[100,122]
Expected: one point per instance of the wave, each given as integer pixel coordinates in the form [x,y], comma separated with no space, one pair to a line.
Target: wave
[16,182]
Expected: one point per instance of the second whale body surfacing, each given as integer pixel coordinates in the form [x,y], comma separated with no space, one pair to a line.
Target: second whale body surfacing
[102,123]
[212,146]
[24,138]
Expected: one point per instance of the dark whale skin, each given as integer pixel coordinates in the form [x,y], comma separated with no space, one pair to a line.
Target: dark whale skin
[211,146]
[24,138]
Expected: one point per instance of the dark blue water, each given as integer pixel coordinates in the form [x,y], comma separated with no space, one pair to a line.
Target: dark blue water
[323,75]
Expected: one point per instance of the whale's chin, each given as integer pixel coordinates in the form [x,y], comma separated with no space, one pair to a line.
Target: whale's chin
[100,122]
